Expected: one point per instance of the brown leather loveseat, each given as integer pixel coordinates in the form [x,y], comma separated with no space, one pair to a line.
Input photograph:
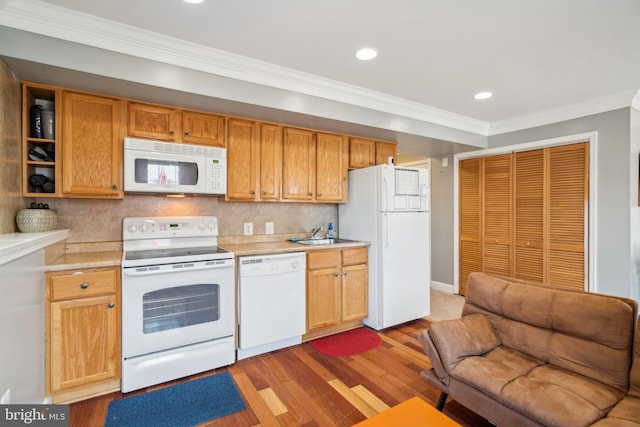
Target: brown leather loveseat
[523,354]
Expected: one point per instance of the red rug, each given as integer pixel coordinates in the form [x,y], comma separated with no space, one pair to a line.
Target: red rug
[347,343]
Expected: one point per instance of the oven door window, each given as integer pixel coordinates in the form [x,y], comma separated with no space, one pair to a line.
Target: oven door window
[165,172]
[178,307]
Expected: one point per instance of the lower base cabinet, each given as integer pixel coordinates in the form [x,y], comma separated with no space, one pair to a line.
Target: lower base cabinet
[337,283]
[83,333]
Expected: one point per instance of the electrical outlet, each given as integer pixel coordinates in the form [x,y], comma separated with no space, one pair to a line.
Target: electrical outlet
[6,397]
[248,228]
[268,227]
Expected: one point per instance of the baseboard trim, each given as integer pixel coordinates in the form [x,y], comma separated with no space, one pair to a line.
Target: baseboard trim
[442,287]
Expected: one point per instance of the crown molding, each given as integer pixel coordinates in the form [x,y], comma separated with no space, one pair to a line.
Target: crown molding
[566,112]
[58,22]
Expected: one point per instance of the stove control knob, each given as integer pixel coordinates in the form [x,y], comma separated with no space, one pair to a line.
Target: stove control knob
[132,228]
[211,226]
[201,226]
[144,227]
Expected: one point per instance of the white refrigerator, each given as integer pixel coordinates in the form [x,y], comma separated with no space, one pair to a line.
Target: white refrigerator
[389,207]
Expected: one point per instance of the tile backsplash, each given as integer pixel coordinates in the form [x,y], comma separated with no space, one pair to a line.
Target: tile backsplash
[92,220]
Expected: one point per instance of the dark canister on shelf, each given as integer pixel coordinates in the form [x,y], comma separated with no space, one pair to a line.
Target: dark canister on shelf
[36,121]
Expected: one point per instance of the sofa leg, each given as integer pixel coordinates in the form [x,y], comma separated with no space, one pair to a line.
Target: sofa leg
[441,401]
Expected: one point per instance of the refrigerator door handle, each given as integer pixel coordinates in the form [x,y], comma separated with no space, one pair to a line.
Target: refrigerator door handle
[384,201]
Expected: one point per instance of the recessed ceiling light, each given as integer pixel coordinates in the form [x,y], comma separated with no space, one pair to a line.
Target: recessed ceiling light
[366,54]
[483,95]
[193,1]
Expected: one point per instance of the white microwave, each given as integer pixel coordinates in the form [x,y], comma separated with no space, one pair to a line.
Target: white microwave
[170,168]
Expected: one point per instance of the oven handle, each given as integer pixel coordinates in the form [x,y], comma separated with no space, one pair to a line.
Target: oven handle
[172,269]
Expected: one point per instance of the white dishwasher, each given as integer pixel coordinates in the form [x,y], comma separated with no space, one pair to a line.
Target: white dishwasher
[271,302]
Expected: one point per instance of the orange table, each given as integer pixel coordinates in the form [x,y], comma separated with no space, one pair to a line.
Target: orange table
[414,412]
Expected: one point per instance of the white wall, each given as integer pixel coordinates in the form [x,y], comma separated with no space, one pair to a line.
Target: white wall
[634,182]
[22,328]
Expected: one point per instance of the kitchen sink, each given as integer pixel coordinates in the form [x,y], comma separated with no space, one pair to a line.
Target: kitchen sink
[319,241]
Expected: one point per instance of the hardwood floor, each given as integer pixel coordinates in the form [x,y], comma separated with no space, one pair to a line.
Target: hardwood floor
[299,386]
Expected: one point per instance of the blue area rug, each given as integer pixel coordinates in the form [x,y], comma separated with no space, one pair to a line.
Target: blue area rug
[182,405]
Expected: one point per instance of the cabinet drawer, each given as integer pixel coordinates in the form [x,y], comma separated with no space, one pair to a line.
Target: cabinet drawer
[354,256]
[323,259]
[83,284]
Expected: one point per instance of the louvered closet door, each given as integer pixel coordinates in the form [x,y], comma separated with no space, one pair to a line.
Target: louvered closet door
[568,190]
[529,205]
[496,215]
[469,209]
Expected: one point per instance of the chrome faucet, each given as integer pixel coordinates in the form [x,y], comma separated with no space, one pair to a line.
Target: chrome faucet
[315,231]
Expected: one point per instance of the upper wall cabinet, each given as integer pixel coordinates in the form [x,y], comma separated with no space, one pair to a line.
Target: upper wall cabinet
[384,150]
[168,124]
[41,145]
[332,152]
[365,152]
[92,154]
[299,165]
[254,160]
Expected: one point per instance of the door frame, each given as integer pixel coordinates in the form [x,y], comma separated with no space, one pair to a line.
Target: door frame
[590,232]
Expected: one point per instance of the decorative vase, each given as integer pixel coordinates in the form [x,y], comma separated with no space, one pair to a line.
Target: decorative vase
[36,220]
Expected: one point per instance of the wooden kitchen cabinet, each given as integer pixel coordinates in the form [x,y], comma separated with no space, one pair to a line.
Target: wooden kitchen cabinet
[337,282]
[203,129]
[254,160]
[50,167]
[298,165]
[384,150]
[270,161]
[314,166]
[165,123]
[152,122]
[82,333]
[332,167]
[92,152]
[367,152]
[243,160]
[362,153]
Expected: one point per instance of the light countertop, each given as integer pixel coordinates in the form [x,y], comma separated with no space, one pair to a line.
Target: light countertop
[75,261]
[16,245]
[283,246]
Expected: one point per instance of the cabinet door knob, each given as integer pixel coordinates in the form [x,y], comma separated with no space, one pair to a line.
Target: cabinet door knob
[114,187]
[310,194]
[170,133]
[111,304]
[337,274]
[252,192]
[264,193]
[319,194]
[84,285]
[186,134]
[345,273]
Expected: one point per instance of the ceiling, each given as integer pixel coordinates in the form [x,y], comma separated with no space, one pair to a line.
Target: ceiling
[537,57]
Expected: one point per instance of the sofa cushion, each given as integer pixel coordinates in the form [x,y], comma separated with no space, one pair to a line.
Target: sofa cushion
[474,336]
[557,397]
[625,413]
[493,371]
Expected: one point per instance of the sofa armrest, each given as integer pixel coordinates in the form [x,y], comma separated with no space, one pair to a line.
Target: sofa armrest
[456,339]
[432,353]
